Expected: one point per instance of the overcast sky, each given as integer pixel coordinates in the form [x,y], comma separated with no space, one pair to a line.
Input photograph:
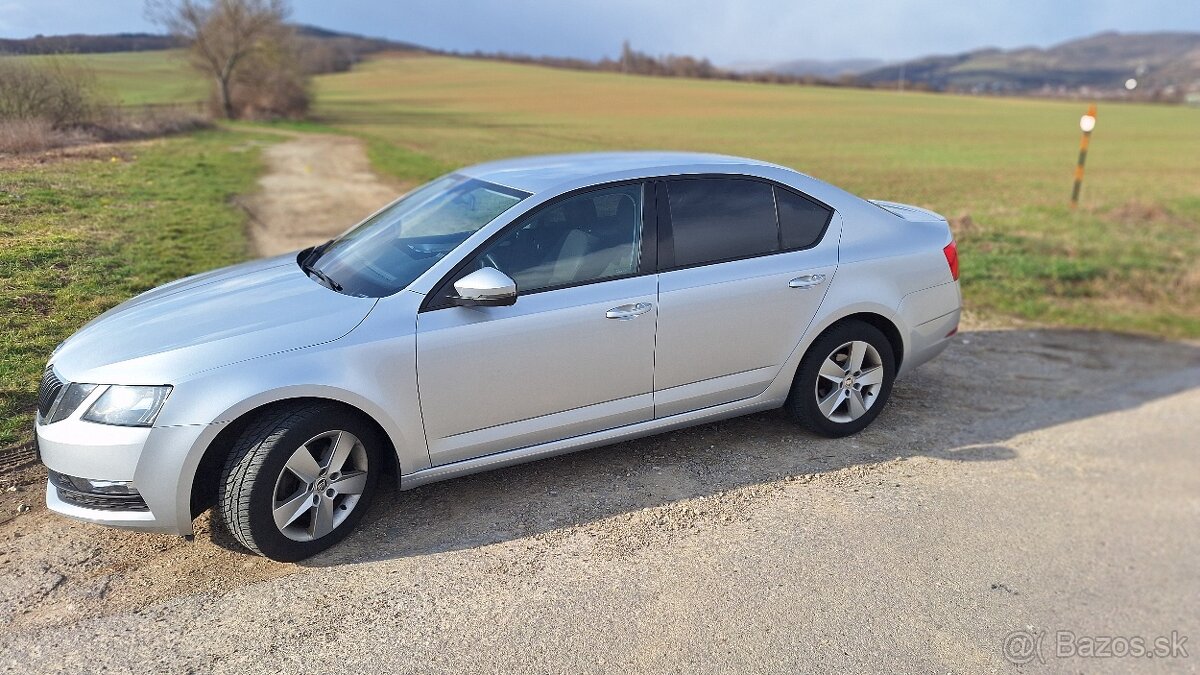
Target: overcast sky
[726,31]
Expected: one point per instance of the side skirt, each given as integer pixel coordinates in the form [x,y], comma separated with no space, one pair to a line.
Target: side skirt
[592,440]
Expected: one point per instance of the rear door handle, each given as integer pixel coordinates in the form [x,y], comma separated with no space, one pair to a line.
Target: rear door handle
[626,312]
[807,281]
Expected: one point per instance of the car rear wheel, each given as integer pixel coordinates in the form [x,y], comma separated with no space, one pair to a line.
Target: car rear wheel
[844,380]
[299,479]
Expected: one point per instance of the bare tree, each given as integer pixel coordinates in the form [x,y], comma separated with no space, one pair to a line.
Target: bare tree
[222,34]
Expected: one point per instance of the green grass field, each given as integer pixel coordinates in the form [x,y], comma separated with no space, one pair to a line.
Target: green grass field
[141,78]
[78,236]
[1127,260]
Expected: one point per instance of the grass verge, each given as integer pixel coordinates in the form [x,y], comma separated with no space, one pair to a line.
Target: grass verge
[80,235]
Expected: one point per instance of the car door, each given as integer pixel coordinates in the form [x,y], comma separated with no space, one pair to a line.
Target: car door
[744,267]
[573,355]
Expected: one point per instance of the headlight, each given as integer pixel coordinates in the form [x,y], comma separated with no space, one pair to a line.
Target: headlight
[128,406]
[71,399]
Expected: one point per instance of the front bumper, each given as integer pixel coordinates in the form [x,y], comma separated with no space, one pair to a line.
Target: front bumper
[158,462]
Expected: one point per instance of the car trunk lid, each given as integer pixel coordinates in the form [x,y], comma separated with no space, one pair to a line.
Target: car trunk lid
[909,212]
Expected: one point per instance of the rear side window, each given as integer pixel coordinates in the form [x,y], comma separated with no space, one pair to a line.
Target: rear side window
[721,219]
[801,221]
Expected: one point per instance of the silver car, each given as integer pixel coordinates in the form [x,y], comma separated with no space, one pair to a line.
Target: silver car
[503,313]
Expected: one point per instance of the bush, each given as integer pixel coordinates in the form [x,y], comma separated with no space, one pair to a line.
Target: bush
[51,103]
[51,90]
[122,124]
[36,134]
[24,135]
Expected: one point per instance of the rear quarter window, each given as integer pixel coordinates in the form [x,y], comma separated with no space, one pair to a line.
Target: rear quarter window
[801,220]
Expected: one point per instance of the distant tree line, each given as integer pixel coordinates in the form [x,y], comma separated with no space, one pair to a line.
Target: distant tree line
[89,44]
[634,62]
[324,51]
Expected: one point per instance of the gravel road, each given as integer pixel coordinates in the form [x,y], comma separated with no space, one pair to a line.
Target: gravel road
[1041,481]
[1035,481]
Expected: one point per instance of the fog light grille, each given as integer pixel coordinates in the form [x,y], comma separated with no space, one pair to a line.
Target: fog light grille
[111,497]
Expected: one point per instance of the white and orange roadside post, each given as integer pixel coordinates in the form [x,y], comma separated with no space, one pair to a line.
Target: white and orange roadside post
[1086,124]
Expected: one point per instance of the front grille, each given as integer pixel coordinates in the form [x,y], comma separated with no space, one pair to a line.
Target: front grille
[48,391]
[70,493]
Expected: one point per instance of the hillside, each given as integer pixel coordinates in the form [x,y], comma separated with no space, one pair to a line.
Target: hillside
[136,42]
[821,68]
[1165,65]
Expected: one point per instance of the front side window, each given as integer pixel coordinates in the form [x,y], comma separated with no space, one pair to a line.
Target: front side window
[395,246]
[715,219]
[588,237]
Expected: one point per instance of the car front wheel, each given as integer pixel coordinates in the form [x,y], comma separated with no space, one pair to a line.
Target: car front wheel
[844,380]
[299,479]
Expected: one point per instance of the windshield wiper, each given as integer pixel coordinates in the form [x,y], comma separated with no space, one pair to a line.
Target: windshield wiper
[308,265]
[314,254]
[313,271]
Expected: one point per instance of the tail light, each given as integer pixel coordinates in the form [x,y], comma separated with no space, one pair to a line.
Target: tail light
[951,252]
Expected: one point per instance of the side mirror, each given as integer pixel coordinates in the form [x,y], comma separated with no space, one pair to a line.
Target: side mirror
[485,287]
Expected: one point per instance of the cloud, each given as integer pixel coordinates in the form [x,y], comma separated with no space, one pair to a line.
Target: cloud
[25,18]
[10,17]
[723,30]
[729,30]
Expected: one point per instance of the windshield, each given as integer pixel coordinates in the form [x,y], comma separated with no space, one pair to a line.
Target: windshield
[391,249]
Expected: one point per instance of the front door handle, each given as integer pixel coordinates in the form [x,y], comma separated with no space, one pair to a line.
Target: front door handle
[626,312]
[807,281]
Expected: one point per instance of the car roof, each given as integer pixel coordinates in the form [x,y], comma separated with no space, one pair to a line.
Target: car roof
[542,172]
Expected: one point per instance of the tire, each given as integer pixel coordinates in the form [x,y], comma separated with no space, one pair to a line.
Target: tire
[830,399]
[316,464]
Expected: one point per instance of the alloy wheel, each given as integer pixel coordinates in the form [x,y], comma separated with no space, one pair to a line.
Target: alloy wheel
[849,381]
[320,485]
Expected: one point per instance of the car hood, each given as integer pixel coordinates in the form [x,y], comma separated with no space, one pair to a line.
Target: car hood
[208,321]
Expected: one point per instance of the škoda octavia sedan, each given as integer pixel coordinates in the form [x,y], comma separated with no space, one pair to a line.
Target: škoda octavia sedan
[503,313]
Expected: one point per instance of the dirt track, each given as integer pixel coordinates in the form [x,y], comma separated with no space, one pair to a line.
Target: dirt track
[1037,480]
[316,186]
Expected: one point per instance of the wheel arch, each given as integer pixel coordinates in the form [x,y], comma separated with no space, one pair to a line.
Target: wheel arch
[806,409]
[203,490]
[878,316]
[886,326]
